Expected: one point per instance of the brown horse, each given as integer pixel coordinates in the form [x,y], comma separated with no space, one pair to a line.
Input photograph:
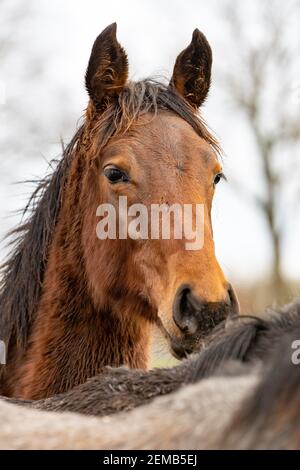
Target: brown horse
[71,303]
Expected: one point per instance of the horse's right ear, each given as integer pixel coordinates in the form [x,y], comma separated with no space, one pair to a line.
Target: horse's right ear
[107,70]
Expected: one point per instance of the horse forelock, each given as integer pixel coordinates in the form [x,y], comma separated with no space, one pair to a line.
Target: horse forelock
[140,98]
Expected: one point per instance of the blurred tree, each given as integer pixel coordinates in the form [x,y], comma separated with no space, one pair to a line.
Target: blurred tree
[36,106]
[266,54]
[31,115]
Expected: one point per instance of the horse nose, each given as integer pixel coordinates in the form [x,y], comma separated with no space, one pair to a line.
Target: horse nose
[191,314]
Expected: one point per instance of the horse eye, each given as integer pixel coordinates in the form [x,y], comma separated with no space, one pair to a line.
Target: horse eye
[218,178]
[115,175]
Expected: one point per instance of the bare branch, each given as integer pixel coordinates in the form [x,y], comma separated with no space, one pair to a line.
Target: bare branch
[264,66]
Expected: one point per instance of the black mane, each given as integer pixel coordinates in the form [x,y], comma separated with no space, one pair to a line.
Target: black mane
[23,272]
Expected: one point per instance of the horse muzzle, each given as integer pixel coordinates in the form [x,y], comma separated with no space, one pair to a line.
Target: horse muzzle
[195,319]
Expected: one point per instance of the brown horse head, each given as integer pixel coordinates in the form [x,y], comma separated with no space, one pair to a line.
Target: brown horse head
[158,153]
[91,276]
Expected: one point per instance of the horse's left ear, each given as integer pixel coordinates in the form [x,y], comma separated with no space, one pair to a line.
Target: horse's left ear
[192,70]
[107,70]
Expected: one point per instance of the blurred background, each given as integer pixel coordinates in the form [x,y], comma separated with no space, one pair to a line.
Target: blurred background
[253,108]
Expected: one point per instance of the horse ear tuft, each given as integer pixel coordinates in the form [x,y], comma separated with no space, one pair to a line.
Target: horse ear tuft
[192,70]
[107,70]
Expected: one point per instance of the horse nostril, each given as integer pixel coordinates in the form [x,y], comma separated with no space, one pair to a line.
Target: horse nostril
[192,315]
[185,308]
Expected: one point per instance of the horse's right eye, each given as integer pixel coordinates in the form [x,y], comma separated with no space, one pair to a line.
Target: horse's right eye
[115,175]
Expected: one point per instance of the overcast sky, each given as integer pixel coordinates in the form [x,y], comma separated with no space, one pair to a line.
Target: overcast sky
[153,32]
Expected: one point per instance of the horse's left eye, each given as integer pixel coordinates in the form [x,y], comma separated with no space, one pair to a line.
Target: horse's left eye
[115,175]
[218,178]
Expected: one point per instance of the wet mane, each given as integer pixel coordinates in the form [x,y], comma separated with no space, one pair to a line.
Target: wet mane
[148,96]
[22,274]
